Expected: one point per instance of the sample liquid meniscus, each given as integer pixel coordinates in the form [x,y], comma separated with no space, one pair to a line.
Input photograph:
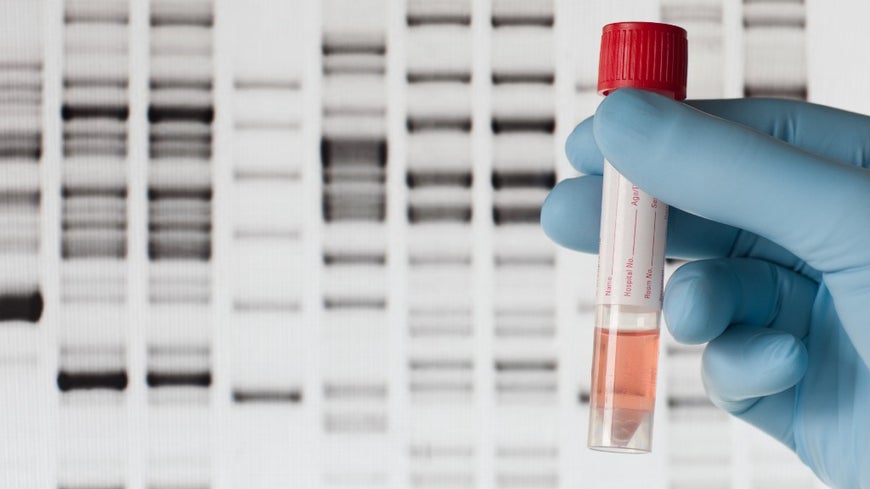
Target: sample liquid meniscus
[631,251]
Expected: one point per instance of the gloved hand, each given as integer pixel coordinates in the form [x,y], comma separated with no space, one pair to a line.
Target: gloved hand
[771,198]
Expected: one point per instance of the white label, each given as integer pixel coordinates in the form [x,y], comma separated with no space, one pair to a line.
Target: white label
[631,247]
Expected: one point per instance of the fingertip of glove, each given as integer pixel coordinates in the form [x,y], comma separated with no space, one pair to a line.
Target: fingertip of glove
[626,120]
[581,149]
[677,309]
[782,352]
[694,311]
[747,362]
[565,219]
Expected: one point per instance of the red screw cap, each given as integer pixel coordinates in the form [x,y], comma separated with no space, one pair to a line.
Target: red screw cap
[645,55]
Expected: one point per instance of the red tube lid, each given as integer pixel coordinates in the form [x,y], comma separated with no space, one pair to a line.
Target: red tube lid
[645,55]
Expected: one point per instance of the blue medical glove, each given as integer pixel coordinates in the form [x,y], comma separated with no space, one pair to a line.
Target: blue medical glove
[771,199]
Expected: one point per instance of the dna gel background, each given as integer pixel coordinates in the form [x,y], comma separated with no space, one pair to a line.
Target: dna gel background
[294,243]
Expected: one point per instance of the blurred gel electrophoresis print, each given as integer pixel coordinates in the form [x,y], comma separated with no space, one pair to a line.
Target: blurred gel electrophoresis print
[295,243]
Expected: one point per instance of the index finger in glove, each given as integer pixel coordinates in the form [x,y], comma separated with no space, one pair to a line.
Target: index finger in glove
[826,131]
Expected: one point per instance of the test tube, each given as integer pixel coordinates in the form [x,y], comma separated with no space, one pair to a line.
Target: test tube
[649,56]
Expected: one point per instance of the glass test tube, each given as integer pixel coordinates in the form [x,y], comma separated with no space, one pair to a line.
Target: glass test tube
[649,56]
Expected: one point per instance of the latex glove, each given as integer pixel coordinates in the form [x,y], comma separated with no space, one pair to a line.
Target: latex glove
[781,285]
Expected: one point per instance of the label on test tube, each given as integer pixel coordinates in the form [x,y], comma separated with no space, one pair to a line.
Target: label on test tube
[633,231]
